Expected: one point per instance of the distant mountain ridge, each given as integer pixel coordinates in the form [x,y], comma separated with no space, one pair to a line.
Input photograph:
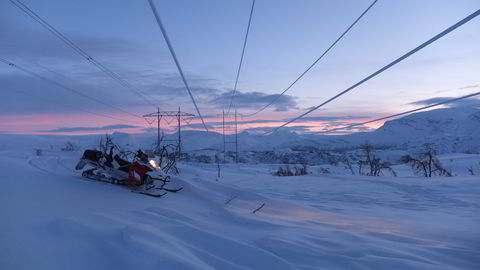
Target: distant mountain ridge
[452,129]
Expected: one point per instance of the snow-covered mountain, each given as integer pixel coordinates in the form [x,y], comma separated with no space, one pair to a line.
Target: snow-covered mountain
[453,130]
[441,122]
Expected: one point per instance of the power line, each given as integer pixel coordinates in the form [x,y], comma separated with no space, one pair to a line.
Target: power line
[398,60]
[81,52]
[68,106]
[241,58]
[49,70]
[316,61]
[400,114]
[172,52]
[67,79]
[66,87]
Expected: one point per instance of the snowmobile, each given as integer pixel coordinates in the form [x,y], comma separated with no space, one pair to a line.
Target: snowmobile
[141,176]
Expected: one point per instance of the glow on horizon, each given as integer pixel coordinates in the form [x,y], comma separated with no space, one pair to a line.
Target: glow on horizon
[42,124]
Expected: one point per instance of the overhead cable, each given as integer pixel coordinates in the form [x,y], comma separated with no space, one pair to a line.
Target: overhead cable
[82,53]
[174,56]
[77,92]
[399,114]
[396,61]
[68,106]
[275,99]
[241,58]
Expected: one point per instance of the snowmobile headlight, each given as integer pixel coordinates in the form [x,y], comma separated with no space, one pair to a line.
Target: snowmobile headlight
[153,163]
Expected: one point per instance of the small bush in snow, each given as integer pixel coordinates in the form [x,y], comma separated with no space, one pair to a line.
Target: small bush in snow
[70,146]
[37,151]
[286,171]
[322,170]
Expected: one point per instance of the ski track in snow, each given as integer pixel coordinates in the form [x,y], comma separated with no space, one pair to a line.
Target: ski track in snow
[54,220]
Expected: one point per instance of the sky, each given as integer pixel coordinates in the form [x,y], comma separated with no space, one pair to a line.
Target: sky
[286,36]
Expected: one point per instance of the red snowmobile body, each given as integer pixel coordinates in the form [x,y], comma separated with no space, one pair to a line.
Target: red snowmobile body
[137,174]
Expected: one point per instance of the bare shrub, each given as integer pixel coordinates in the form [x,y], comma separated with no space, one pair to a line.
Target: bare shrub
[69,147]
[373,165]
[426,163]
[283,171]
[322,170]
[168,156]
[470,170]
[38,151]
[347,164]
[287,171]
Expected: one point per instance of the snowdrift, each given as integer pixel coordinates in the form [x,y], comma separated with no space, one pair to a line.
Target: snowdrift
[54,219]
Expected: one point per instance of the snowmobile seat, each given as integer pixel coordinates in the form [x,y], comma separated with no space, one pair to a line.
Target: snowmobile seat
[89,156]
[93,155]
[123,165]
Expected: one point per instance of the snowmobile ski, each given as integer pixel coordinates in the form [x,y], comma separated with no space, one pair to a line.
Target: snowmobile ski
[152,192]
[167,185]
[171,189]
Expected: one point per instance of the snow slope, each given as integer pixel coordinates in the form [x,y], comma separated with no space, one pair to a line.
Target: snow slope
[54,219]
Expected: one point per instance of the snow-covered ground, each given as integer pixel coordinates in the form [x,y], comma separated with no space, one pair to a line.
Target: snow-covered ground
[52,218]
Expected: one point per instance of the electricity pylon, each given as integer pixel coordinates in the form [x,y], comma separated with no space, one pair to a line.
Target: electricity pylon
[159,115]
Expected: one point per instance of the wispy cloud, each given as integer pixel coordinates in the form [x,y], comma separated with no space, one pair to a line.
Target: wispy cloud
[333,118]
[471,102]
[299,129]
[329,119]
[86,129]
[466,87]
[255,100]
